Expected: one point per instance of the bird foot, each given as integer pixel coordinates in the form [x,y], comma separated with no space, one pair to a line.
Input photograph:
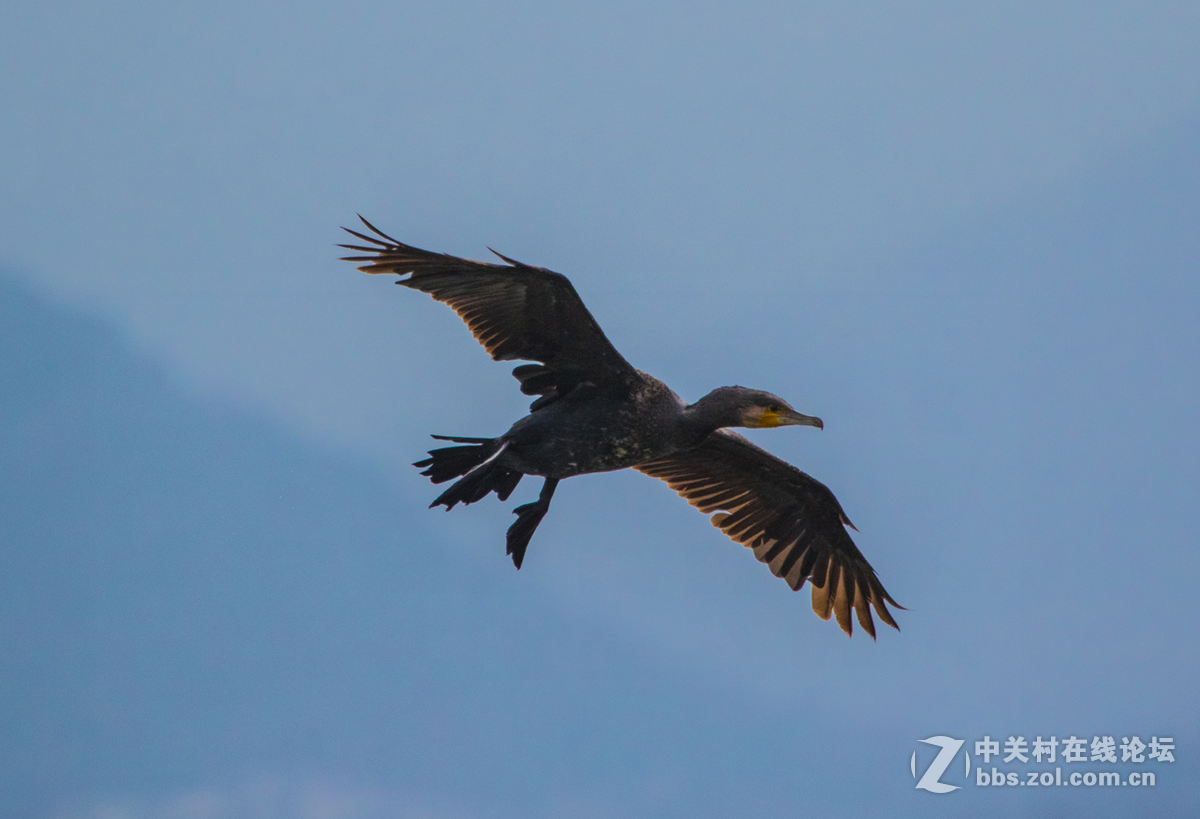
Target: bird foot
[529,516]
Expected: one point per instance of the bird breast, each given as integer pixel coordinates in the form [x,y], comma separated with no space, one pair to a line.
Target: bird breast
[597,434]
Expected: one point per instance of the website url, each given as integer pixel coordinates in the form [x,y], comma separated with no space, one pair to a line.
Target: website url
[1087,779]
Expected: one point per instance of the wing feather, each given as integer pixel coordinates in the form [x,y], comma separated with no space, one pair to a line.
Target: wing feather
[516,311]
[791,521]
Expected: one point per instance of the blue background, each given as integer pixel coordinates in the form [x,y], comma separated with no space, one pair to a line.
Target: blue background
[967,238]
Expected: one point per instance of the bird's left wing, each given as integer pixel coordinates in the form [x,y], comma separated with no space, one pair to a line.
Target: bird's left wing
[516,311]
[793,522]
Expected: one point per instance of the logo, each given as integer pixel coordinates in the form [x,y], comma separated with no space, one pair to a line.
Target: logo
[1070,762]
[932,779]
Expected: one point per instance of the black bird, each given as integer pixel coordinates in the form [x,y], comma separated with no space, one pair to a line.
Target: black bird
[596,413]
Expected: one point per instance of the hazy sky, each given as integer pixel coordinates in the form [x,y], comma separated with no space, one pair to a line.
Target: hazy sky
[966,238]
[181,170]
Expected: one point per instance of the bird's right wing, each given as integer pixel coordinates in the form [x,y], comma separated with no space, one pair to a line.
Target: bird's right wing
[516,311]
[793,522]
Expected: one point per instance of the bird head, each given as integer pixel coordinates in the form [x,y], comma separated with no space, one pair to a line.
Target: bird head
[764,411]
[754,409]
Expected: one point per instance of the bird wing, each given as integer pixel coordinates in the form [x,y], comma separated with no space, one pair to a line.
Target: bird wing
[514,310]
[793,522]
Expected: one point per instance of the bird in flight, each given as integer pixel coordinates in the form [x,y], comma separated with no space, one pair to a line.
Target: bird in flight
[594,412]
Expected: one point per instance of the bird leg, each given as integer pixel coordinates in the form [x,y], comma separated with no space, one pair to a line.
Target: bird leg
[528,517]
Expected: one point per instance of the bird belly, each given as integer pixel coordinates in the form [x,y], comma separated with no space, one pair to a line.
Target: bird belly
[565,458]
[596,435]
[601,446]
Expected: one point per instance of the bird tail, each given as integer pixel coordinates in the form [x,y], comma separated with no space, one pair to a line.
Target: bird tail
[477,467]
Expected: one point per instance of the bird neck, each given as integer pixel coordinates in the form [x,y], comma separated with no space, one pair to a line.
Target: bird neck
[710,413]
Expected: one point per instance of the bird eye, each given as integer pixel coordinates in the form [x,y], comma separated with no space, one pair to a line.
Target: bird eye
[773,408]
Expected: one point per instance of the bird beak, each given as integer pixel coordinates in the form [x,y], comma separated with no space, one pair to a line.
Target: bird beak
[789,418]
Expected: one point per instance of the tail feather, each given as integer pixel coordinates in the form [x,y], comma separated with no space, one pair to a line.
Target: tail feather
[455,461]
[475,465]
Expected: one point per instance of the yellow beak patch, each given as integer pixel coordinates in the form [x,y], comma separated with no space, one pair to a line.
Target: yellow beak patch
[769,419]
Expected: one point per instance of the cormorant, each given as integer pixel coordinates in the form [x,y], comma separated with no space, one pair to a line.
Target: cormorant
[595,412]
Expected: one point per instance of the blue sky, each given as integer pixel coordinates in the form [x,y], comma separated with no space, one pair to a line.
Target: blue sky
[966,238]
